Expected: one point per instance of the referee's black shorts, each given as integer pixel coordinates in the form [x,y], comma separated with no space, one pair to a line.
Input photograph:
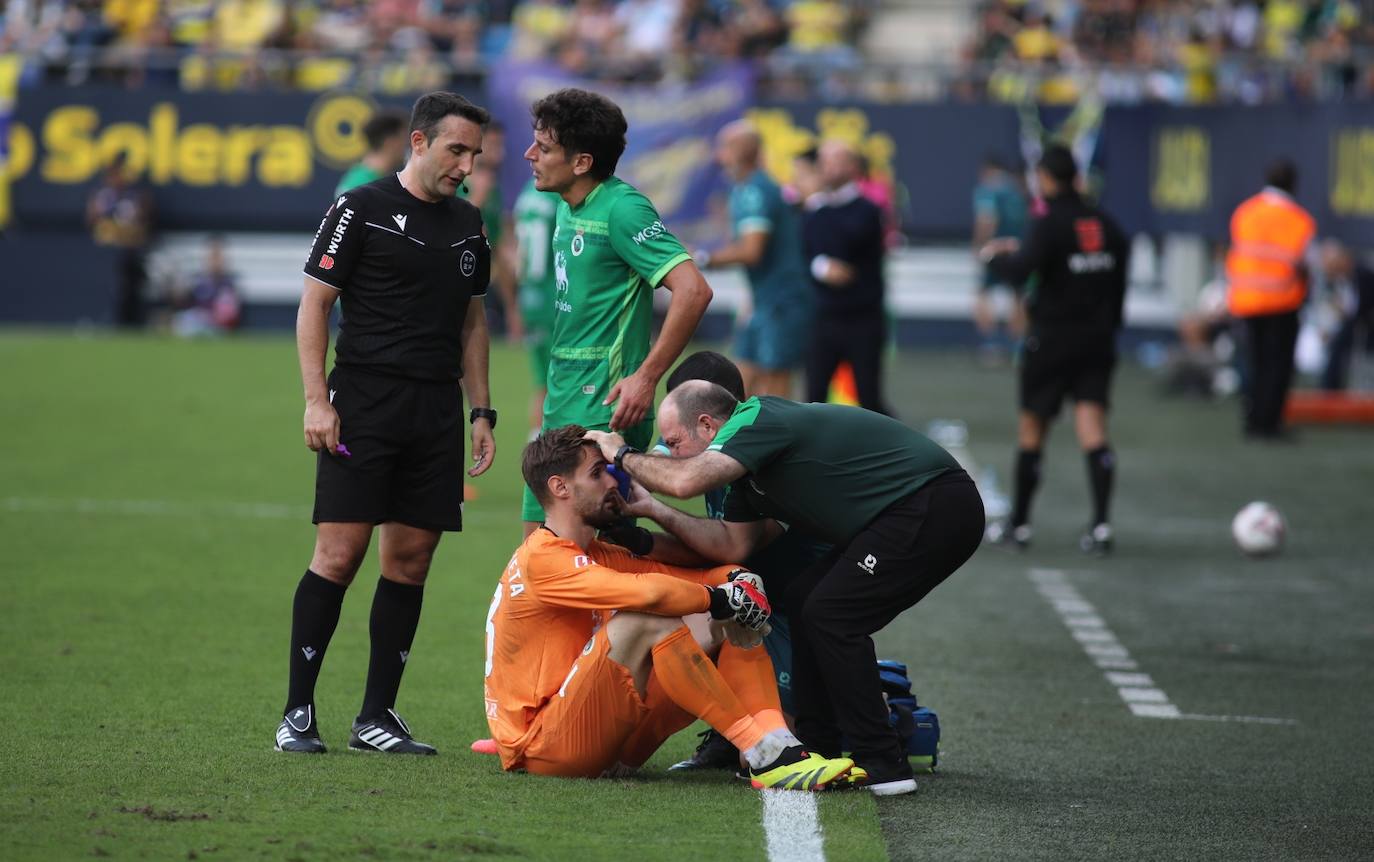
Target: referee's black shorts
[406,440]
[1074,364]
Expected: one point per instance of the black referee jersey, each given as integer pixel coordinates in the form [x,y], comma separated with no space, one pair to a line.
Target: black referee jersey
[406,270]
[1079,256]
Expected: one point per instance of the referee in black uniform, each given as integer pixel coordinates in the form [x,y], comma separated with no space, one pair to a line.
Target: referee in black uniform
[410,263]
[1078,257]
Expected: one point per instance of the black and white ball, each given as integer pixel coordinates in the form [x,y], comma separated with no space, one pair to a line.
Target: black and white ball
[1258,529]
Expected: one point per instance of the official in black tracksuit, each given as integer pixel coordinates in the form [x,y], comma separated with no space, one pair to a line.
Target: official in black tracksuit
[1078,257]
[842,236]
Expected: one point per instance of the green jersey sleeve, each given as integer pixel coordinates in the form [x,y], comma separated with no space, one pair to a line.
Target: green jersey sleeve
[639,238]
[750,437]
[750,210]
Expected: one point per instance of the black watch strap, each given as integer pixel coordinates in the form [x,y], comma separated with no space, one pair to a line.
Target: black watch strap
[622,452]
[483,413]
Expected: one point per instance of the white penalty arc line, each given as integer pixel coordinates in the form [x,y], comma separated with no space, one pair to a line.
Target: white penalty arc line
[1138,690]
[792,826]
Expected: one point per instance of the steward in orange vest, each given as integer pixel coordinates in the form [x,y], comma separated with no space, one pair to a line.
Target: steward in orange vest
[1267,284]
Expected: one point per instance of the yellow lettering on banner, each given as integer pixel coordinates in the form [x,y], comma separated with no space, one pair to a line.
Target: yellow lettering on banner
[198,153]
[67,140]
[162,128]
[1352,172]
[127,140]
[240,143]
[1182,169]
[75,147]
[336,127]
[286,160]
[21,152]
[784,140]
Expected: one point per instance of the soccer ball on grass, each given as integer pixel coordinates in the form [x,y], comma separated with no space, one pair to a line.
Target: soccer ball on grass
[1258,529]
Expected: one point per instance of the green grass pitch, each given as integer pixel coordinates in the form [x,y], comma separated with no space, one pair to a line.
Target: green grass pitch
[154,518]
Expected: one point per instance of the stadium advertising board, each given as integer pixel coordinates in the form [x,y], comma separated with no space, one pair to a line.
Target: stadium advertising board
[672,128]
[248,161]
[269,161]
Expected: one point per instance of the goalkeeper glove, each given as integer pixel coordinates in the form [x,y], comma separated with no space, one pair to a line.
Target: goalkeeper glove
[741,601]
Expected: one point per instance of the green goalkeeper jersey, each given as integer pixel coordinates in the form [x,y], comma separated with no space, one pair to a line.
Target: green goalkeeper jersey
[609,253]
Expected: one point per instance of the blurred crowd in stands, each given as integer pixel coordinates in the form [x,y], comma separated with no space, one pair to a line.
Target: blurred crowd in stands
[1123,51]
[403,46]
[1198,52]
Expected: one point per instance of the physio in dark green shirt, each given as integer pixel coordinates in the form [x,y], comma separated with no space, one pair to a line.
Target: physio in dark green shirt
[900,511]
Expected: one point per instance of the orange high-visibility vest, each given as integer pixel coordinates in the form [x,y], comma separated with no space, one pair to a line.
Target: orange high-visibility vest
[1269,236]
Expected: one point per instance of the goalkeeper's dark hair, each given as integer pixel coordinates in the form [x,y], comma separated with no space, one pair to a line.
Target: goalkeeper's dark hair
[431,109]
[383,125]
[555,452]
[580,121]
[712,367]
[696,397]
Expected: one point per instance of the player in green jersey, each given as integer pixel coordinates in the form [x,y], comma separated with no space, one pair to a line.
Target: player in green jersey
[388,142]
[771,337]
[534,217]
[610,250]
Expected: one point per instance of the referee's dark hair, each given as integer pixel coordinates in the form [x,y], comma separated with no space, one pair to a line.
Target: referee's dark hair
[383,125]
[431,108]
[697,397]
[1057,161]
[583,122]
[712,367]
[1282,175]
[555,452]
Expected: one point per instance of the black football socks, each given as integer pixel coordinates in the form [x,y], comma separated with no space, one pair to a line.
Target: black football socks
[1027,478]
[314,616]
[395,616]
[1101,470]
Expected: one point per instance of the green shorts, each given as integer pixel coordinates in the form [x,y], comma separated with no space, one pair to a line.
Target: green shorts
[640,436]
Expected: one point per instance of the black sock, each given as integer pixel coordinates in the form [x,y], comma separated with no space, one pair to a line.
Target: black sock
[1027,478]
[314,615]
[1101,469]
[395,616]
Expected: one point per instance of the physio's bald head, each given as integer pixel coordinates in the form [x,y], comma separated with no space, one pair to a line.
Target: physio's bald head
[691,415]
[839,163]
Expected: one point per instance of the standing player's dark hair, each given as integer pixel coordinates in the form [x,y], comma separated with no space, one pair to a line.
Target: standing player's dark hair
[431,108]
[703,397]
[1282,174]
[712,367]
[381,126]
[584,122]
[555,452]
[1058,162]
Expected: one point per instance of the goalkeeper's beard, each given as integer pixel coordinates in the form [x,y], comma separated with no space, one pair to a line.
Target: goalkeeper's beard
[602,514]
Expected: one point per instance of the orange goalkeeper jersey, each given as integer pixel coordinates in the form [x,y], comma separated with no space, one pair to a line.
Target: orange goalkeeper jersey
[549,603]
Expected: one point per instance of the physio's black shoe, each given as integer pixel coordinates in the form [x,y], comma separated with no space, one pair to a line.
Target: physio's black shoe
[714,752]
[1097,541]
[298,733]
[388,734]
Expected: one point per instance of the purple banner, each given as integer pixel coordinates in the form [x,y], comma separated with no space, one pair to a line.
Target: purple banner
[672,127]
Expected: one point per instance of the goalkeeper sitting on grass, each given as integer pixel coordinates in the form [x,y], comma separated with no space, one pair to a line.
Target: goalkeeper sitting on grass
[573,690]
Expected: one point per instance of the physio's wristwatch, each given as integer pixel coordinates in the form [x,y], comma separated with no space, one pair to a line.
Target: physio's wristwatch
[622,452]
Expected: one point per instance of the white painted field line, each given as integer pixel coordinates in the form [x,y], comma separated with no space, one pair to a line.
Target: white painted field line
[792,826]
[1136,689]
[175,508]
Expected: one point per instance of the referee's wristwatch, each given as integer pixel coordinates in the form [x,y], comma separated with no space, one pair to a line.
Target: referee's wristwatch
[483,413]
[622,452]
